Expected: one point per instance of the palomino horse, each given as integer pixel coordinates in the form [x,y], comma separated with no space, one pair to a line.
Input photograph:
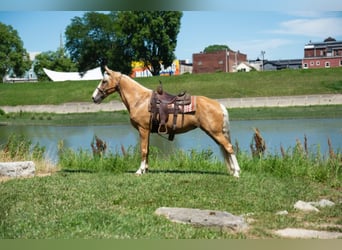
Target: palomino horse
[210,116]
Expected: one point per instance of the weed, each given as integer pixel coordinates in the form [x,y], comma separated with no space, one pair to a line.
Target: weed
[19,147]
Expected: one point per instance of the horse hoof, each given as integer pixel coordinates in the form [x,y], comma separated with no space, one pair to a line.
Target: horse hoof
[236,174]
[141,172]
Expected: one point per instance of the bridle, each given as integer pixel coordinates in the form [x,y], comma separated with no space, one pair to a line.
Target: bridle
[104,92]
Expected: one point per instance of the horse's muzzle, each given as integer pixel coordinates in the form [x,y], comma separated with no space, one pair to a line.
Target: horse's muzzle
[97,100]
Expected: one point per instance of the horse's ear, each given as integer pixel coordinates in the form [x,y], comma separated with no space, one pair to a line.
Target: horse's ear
[106,69]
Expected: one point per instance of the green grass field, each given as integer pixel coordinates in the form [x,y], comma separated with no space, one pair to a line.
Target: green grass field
[216,85]
[101,198]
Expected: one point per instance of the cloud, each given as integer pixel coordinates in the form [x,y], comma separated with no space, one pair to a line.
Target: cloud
[319,27]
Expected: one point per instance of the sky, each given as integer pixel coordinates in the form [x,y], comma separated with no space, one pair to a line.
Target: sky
[281,34]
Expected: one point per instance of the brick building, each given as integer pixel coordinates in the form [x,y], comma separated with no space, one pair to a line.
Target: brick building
[324,54]
[219,61]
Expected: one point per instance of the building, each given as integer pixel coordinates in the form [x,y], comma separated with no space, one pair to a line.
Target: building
[28,76]
[139,69]
[219,61]
[282,64]
[324,54]
[185,67]
[245,67]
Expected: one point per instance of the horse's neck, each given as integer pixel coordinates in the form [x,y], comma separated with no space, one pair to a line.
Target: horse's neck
[131,92]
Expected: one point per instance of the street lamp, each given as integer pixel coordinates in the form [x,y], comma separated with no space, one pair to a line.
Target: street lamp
[262,63]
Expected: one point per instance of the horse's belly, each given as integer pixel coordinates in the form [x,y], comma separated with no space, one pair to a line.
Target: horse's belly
[184,123]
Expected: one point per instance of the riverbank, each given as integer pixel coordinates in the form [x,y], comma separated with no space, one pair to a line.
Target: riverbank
[250,102]
[122,117]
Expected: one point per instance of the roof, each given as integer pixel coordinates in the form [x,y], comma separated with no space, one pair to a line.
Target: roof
[93,74]
[328,43]
[284,62]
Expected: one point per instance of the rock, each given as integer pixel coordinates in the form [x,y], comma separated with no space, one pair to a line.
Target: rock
[284,212]
[17,169]
[307,234]
[323,203]
[207,218]
[305,206]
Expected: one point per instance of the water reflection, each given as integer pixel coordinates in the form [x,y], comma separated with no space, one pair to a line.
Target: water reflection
[275,132]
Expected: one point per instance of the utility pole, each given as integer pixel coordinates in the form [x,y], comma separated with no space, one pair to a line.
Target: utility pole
[262,54]
[227,54]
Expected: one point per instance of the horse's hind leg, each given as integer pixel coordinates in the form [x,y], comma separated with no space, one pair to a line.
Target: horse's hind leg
[222,136]
[230,159]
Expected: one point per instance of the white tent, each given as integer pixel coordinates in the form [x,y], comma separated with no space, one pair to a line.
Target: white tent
[92,74]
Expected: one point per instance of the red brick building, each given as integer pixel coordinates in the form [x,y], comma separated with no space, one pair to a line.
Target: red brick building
[219,61]
[325,54]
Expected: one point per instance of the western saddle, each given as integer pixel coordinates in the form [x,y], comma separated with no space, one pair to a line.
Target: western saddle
[163,104]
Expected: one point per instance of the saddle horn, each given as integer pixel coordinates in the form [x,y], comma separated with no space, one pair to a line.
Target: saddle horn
[160,88]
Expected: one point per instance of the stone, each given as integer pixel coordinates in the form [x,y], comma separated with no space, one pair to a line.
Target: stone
[307,234]
[284,212]
[323,203]
[205,218]
[17,169]
[305,206]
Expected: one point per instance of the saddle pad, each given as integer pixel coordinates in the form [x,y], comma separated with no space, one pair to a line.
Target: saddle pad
[186,108]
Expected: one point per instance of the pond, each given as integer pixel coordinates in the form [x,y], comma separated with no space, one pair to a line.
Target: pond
[275,133]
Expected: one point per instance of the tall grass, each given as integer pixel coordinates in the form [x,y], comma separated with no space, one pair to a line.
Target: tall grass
[292,163]
[19,148]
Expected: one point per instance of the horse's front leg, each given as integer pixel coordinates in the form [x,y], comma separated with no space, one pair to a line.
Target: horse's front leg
[144,150]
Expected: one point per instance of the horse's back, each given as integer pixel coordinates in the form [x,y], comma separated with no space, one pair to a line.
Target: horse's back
[206,104]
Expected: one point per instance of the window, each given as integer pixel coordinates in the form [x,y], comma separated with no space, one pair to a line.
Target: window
[318,63]
[341,63]
[327,64]
[312,63]
[305,66]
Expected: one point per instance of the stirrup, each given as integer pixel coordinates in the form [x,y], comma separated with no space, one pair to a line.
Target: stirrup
[160,130]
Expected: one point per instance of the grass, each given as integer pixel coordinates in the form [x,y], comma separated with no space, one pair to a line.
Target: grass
[91,206]
[100,197]
[216,85]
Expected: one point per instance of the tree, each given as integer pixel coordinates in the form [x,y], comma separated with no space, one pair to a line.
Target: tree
[93,38]
[56,61]
[150,36]
[214,48]
[13,56]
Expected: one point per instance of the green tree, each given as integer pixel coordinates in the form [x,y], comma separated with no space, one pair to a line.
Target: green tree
[13,56]
[93,38]
[150,36]
[56,61]
[214,48]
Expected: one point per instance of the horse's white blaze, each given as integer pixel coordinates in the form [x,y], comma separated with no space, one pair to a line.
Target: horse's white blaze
[96,91]
[142,168]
